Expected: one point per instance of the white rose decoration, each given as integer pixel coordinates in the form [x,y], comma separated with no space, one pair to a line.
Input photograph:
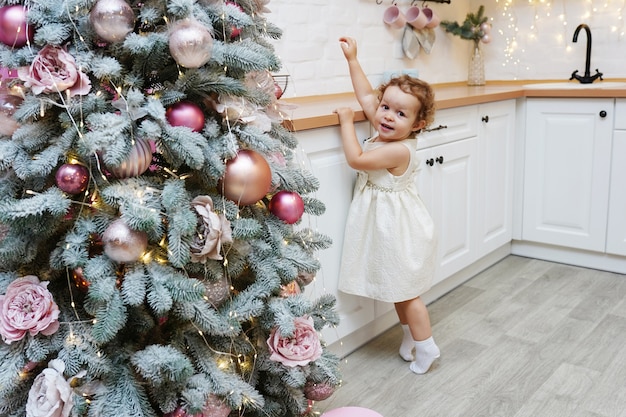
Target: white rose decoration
[51,394]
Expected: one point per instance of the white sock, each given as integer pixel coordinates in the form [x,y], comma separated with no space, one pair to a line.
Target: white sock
[407,345]
[426,351]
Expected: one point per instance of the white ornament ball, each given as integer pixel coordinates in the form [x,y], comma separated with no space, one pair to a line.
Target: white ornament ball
[485,39]
[123,244]
[191,43]
[112,19]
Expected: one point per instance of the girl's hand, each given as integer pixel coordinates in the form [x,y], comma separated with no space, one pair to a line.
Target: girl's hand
[346,114]
[348,46]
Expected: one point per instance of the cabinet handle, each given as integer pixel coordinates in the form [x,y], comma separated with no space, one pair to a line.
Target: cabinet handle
[485,119]
[436,128]
[430,162]
[439,159]
[602,113]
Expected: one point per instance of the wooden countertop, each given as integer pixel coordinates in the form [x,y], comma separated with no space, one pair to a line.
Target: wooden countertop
[317,111]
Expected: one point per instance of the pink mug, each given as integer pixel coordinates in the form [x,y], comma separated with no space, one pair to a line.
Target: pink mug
[394,17]
[432,19]
[416,17]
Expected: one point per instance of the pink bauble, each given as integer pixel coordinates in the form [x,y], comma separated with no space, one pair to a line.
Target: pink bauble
[185,113]
[72,178]
[351,412]
[123,244]
[278,90]
[14,28]
[215,407]
[8,104]
[247,179]
[287,206]
[191,43]
[136,163]
[485,39]
[112,20]
[234,30]
[319,391]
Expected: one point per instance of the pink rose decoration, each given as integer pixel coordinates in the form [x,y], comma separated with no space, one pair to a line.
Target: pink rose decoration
[54,70]
[299,349]
[214,229]
[29,307]
[51,394]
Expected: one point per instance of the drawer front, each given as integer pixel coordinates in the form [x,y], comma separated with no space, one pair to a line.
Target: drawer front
[620,113]
[450,125]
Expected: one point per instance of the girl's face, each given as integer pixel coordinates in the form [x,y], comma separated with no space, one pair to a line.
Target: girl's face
[396,115]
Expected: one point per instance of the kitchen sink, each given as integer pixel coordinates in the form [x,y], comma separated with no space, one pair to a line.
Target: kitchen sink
[574,85]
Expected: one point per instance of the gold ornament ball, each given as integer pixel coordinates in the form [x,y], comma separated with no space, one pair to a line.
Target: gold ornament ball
[247,179]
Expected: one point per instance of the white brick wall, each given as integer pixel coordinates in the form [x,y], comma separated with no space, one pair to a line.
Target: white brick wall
[310,51]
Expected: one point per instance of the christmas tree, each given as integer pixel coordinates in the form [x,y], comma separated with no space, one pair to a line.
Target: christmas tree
[152,248]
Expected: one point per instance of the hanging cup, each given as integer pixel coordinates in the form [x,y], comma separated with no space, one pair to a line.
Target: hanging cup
[416,18]
[394,17]
[432,18]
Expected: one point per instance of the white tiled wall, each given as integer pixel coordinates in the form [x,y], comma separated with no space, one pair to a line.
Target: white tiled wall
[310,52]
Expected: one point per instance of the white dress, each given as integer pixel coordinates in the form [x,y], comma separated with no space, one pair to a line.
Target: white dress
[389,244]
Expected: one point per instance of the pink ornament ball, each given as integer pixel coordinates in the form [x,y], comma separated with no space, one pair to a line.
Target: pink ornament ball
[351,412]
[318,392]
[278,90]
[190,43]
[123,244]
[112,20]
[14,28]
[287,206]
[185,113]
[136,163]
[247,179]
[8,105]
[72,178]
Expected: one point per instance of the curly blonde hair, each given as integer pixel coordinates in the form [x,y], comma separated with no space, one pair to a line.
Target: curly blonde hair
[417,88]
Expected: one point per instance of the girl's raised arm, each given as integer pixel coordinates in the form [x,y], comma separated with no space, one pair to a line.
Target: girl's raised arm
[365,94]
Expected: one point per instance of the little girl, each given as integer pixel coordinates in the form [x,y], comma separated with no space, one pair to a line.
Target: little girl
[389,244]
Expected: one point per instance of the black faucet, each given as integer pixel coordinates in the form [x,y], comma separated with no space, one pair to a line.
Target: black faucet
[587,78]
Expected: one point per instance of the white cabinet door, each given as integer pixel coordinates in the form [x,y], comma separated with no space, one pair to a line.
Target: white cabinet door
[447,184]
[325,159]
[566,172]
[616,230]
[496,137]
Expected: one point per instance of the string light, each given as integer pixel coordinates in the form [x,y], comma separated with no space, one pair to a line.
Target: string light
[551,17]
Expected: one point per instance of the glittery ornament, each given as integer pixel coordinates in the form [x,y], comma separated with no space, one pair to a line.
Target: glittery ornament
[123,244]
[185,113]
[318,391]
[136,163]
[72,178]
[217,291]
[14,28]
[191,43]
[8,104]
[215,407]
[247,179]
[287,206]
[112,20]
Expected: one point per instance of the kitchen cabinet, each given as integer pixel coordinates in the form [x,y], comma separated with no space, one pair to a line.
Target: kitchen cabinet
[616,225]
[494,222]
[567,172]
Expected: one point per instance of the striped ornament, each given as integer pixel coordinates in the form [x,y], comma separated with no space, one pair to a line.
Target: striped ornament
[136,163]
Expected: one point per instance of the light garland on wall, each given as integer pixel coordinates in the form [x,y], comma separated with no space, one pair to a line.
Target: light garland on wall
[555,13]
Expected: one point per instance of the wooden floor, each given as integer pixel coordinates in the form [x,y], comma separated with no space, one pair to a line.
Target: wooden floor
[525,338]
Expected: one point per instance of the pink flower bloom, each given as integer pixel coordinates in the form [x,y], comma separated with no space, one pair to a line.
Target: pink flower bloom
[299,349]
[51,394]
[29,307]
[54,70]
